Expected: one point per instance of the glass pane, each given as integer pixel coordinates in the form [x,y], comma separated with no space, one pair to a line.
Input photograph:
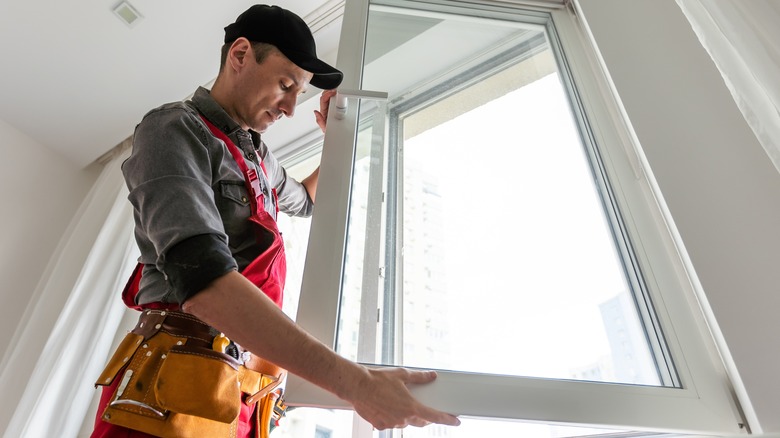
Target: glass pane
[314,423]
[496,254]
[295,232]
[505,243]
[361,279]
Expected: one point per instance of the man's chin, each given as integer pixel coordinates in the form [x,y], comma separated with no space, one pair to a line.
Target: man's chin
[262,127]
[264,123]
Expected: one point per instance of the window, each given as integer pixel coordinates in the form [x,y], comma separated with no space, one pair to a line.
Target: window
[493,217]
[307,421]
[488,223]
[322,433]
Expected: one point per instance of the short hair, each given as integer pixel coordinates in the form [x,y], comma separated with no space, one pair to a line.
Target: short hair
[261,51]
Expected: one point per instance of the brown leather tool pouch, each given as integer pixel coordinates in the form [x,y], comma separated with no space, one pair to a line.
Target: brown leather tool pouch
[171,384]
[199,382]
[170,390]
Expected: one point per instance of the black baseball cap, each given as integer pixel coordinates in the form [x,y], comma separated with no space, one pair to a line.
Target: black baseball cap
[290,34]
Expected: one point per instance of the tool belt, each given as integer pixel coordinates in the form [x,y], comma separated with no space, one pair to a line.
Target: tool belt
[177,381]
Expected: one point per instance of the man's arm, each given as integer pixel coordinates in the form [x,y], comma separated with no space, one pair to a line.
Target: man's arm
[235,306]
[310,182]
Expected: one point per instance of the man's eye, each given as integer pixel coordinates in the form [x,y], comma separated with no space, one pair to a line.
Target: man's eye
[284,86]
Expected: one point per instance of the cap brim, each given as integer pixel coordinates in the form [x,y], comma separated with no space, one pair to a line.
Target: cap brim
[326,77]
[327,81]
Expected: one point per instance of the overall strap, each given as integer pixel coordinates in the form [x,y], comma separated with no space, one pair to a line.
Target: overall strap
[250,175]
[255,193]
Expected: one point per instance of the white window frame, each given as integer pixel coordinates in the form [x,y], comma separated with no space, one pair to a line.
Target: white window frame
[704,404]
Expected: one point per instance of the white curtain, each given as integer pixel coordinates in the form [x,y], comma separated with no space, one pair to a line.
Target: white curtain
[743,38]
[60,389]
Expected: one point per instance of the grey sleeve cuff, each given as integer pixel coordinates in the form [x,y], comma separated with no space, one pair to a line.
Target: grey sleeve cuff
[193,263]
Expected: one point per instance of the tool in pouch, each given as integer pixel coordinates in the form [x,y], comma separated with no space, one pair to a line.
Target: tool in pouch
[221,344]
[170,381]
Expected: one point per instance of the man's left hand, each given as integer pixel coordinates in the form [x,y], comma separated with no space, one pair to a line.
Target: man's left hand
[322,115]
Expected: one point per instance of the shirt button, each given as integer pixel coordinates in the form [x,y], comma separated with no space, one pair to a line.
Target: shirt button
[243,199]
[251,156]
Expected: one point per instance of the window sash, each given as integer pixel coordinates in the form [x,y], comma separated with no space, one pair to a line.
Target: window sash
[703,404]
[473,75]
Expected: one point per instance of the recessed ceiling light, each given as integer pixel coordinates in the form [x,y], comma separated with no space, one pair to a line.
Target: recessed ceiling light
[127,13]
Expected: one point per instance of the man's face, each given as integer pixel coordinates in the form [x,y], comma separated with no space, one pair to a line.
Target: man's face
[268,91]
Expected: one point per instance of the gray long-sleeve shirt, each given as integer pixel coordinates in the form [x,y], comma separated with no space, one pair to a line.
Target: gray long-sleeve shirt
[190,202]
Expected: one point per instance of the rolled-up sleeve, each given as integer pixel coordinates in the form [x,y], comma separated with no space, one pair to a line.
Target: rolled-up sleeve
[169,175]
[293,198]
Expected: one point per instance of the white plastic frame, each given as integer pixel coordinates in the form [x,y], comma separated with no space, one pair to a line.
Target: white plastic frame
[704,404]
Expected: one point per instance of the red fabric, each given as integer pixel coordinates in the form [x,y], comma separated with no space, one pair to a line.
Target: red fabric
[269,270]
[131,288]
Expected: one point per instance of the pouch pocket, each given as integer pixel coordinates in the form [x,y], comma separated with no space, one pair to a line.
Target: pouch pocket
[199,382]
[121,357]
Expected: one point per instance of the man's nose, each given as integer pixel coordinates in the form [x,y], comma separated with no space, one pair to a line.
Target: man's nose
[287,106]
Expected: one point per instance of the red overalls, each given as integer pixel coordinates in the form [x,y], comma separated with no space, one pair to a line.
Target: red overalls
[268,272]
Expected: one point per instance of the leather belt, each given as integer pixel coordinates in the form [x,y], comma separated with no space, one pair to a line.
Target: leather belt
[175,323]
[198,334]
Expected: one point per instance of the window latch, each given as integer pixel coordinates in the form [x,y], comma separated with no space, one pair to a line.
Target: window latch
[342,97]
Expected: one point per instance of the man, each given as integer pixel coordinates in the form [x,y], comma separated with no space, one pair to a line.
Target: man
[205,191]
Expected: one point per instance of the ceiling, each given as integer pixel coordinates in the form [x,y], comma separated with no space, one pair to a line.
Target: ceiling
[77,79]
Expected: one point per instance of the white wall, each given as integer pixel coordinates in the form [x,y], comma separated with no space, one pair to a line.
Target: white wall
[42,193]
[720,186]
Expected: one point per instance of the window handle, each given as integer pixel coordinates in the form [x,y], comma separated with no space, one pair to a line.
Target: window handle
[342,96]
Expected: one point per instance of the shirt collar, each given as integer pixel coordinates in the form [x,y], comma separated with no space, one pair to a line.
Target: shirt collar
[206,105]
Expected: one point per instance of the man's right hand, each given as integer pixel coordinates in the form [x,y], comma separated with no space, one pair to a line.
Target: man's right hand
[383,399]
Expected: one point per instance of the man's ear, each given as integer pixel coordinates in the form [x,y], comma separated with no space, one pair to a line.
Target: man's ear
[239,53]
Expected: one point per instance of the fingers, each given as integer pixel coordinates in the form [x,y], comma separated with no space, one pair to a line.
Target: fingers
[325,101]
[439,418]
[321,119]
[321,115]
[430,415]
[424,417]
[427,415]
[420,377]
[387,403]
[325,98]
